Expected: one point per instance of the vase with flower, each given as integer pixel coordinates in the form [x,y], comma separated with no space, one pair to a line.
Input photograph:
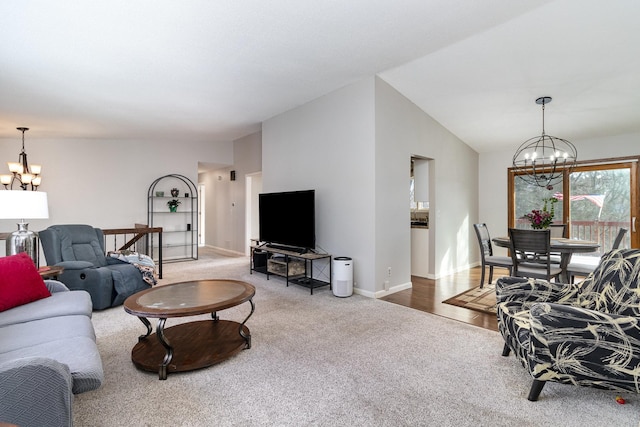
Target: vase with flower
[541,219]
[173,205]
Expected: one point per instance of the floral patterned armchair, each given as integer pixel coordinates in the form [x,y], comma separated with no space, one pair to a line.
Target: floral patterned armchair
[582,334]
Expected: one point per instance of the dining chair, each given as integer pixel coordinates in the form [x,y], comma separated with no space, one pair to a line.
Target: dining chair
[583,269]
[558,231]
[486,253]
[530,254]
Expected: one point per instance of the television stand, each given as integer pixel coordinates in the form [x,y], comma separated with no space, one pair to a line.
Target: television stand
[286,262]
[288,248]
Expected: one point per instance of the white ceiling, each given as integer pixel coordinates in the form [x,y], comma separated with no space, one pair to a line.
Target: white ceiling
[215,69]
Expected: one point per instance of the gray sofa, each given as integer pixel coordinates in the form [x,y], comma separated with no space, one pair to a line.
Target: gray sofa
[48,353]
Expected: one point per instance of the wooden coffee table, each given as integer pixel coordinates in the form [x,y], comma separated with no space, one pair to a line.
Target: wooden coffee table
[191,345]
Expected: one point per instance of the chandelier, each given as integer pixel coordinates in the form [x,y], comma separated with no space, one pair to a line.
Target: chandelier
[21,172]
[541,160]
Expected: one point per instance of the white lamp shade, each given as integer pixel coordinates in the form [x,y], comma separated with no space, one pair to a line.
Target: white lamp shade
[15,167]
[19,204]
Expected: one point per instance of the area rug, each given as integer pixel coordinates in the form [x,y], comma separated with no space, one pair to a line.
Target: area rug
[478,299]
[323,361]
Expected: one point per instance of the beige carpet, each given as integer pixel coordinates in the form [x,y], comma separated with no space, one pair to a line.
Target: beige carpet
[483,300]
[319,360]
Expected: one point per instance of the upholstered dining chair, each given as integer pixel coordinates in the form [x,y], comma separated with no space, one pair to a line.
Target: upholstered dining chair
[486,253]
[559,230]
[583,269]
[530,254]
[584,334]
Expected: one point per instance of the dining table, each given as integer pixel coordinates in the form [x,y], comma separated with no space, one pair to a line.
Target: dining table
[565,247]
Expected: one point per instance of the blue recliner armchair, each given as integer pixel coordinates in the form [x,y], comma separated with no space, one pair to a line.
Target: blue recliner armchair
[80,250]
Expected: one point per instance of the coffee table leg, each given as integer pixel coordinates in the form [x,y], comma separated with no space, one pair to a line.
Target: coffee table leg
[214,316]
[148,325]
[246,337]
[165,343]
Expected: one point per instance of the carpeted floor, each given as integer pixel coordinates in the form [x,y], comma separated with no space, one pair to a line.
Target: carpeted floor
[478,299]
[319,360]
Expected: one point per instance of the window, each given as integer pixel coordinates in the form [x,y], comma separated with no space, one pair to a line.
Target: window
[595,198]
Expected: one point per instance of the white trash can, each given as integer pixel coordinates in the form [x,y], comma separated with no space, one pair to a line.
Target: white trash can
[342,271]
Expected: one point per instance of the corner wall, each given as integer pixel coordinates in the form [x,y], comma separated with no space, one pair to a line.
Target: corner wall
[353,146]
[328,145]
[402,131]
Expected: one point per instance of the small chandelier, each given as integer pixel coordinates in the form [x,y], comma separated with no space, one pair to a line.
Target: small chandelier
[21,173]
[542,159]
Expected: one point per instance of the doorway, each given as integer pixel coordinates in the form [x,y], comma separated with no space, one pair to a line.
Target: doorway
[419,203]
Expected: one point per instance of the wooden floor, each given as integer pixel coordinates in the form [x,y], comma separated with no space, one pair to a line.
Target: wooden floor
[427,295]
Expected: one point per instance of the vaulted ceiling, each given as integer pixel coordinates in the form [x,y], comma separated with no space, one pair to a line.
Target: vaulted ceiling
[214,70]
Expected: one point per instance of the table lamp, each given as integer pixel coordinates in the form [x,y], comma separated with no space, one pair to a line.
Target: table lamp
[19,204]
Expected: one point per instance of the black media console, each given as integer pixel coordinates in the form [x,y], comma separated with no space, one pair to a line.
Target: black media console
[294,265]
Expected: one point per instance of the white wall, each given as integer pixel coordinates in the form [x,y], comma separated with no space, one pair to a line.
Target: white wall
[328,145]
[247,154]
[105,183]
[253,186]
[225,199]
[492,177]
[354,147]
[402,131]
[218,209]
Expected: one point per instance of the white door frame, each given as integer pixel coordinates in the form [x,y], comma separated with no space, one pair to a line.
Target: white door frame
[253,187]
[201,214]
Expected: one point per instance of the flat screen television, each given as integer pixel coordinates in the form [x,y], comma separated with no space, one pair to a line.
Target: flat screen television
[288,218]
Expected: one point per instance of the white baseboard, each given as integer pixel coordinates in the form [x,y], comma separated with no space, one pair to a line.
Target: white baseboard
[383,293]
[456,270]
[226,251]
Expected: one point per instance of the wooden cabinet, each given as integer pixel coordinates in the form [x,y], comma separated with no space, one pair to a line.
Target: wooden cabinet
[180,225]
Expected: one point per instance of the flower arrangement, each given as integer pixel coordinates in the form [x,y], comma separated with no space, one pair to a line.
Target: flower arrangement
[541,219]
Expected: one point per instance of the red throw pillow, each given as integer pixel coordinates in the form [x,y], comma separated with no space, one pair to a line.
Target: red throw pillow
[20,282]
